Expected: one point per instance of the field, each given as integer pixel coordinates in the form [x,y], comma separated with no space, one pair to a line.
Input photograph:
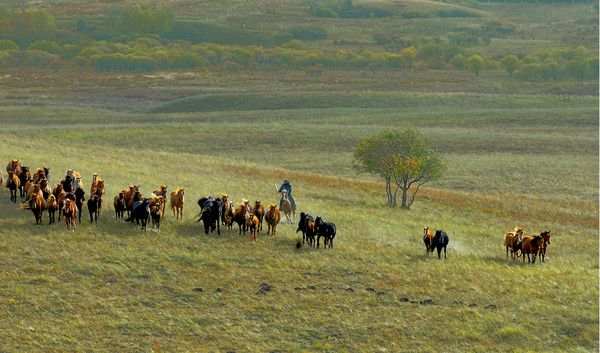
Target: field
[517,154]
[527,160]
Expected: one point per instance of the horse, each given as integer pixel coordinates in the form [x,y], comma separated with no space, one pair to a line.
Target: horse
[544,246]
[13,166]
[41,173]
[326,230]
[51,206]
[162,191]
[140,213]
[229,216]
[531,246]
[259,211]
[130,202]
[427,240]
[1,178]
[70,213]
[119,205]
[225,206]
[439,242]
[156,214]
[272,218]
[24,176]
[79,198]
[97,189]
[177,199]
[60,199]
[239,217]
[253,225]
[36,205]
[513,242]
[93,205]
[288,210]
[13,183]
[307,227]
[210,214]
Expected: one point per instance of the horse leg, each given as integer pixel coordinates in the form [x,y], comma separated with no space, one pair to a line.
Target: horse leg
[444,252]
[318,240]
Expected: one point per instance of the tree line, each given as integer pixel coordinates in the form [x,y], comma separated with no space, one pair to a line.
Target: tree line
[140,38]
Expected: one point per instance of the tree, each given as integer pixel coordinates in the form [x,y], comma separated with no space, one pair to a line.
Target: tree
[403,159]
[475,64]
[577,68]
[509,64]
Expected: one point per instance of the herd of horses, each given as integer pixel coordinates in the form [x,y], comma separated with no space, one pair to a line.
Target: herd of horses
[532,246]
[68,197]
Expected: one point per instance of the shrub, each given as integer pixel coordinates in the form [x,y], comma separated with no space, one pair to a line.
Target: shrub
[308,33]
[8,45]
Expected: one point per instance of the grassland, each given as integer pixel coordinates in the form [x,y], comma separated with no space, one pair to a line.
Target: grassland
[517,154]
[513,159]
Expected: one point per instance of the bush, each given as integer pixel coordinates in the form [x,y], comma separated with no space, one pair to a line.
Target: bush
[456,13]
[308,33]
[8,45]
[122,62]
[415,14]
[29,58]
[45,45]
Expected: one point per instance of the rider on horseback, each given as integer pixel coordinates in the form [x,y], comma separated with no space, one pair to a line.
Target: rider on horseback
[286,186]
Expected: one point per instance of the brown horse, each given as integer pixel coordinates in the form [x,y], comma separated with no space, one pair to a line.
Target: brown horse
[513,241]
[272,218]
[70,213]
[544,246]
[259,211]
[162,191]
[97,190]
[51,207]
[36,205]
[428,240]
[14,166]
[253,225]
[531,246]
[240,216]
[177,200]
[13,183]
[119,205]
[225,206]
[229,216]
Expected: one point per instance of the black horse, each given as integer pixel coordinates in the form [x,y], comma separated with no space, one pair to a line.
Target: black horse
[92,205]
[306,226]
[140,213]
[79,198]
[439,242]
[326,230]
[210,214]
[24,177]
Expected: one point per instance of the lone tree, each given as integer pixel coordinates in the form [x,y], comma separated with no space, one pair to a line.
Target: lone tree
[403,159]
[475,64]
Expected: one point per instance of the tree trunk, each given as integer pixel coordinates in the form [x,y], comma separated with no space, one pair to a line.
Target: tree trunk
[404,188]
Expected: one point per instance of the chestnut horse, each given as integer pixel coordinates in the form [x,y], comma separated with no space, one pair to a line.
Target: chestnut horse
[177,200]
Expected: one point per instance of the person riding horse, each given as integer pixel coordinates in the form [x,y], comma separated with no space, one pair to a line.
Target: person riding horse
[287,187]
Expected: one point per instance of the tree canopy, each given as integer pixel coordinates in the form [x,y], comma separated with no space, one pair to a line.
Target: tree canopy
[403,158]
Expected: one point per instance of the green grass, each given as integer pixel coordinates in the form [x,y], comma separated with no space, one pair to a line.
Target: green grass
[512,160]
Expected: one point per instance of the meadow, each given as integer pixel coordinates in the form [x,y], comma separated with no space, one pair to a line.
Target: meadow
[528,160]
[518,153]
